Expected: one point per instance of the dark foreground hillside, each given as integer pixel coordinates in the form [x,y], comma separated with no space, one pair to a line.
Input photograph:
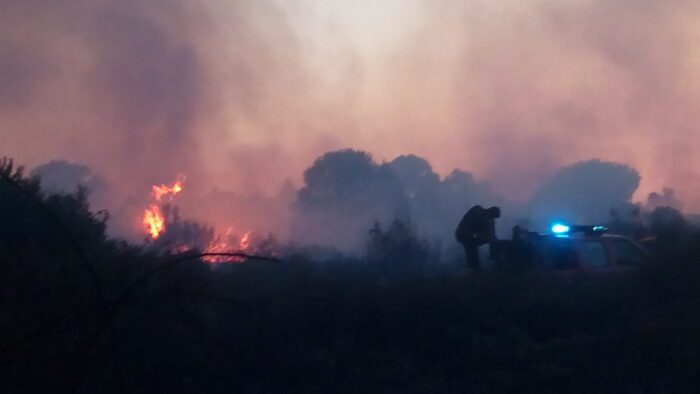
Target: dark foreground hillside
[80,313]
[263,327]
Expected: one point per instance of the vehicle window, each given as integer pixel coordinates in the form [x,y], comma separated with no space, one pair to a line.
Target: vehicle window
[592,254]
[627,253]
[559,254]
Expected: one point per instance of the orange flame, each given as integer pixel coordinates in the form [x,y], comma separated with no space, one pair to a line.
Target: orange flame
[226,243]
[162,190]
[153,218]
[220,242]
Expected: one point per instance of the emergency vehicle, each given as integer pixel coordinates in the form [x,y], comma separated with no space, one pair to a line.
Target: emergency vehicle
[584,248]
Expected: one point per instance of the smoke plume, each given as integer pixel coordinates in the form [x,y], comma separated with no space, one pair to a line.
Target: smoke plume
[242,96]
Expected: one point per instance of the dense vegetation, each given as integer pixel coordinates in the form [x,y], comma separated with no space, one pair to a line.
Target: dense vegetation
[82,313]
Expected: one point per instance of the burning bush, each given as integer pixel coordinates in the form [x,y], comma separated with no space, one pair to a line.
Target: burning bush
[81,313]
[167,233]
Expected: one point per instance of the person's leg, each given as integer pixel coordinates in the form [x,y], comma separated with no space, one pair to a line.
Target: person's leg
[471,253]
[499,252]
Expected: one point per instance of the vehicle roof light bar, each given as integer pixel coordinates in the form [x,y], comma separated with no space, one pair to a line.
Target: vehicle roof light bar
[565,229]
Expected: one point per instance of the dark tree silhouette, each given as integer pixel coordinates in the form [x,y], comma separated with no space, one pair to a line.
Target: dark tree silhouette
[397,252]
[585,192]
[344,192]
[668,226]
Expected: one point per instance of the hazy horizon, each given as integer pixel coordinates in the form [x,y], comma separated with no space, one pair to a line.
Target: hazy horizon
[244,96]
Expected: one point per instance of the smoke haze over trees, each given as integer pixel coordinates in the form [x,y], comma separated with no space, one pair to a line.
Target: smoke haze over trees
[585,192]
[223,90]
[343,193]
[163,323]
[62,177]
[346,192]
[341,142]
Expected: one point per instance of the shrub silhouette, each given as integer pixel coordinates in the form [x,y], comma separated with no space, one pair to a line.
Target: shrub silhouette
[397,251]
[80,313]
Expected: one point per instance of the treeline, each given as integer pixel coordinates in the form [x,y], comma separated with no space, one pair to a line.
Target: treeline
[81,313]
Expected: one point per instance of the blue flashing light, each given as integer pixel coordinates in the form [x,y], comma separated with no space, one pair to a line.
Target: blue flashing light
[559,228]
[600,228]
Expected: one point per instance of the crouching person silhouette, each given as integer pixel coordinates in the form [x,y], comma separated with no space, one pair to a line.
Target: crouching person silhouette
[477,227]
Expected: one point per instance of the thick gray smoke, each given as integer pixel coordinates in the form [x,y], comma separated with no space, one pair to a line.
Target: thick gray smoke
[241,96]
[584,193]
[525,87]
[666,198]
[117,84]
[140,91]
[60,176]
[241,212]
[345,192]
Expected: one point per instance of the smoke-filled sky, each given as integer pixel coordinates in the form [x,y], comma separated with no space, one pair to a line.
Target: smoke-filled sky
[242,95]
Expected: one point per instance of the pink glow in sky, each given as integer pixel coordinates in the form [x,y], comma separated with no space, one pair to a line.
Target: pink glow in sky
[244,95]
